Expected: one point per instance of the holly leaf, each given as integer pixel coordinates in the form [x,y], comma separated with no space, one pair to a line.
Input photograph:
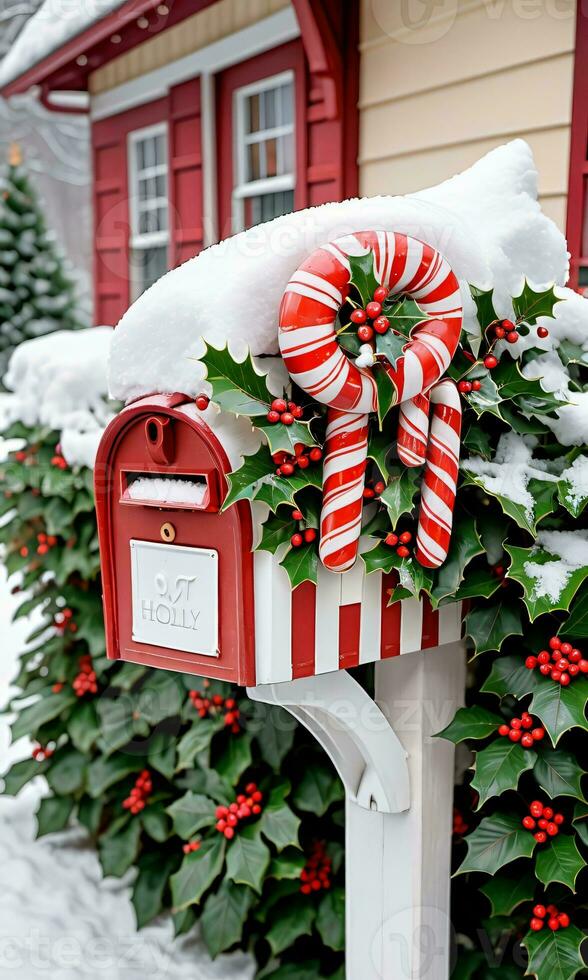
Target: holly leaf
[576,625]
[490,625]
[474,723]
[190,813]
[330,920]
[290,919]
[248,859]
[570,353]
[379,446]
[276,530]
[301,564]
[284,438]
[499,767]
[508,890]
[244,482]
[465,545]
[224,916]
[509,676]
[237,386]
[554,955]
[558,773]
[235,758]
[363,276]
[477,441]
[398,497]
[149,886]
[528,393]
[413,578]
[478,583]
[483,298]
[287,865]
[53,814]
[498,840]
[542,492]
[318,789]
[280,490]
[391,346]
[523,561]
[487,398]
[278,823]
[197,872]
[531,304]
[572,497]
[580,821]
[387,393]
[560,860]
[561,708]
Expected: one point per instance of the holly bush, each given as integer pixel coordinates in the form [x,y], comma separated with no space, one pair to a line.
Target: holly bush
[145,759]
[151,763]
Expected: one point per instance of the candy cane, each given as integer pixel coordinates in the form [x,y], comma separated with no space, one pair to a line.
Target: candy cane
[318,365]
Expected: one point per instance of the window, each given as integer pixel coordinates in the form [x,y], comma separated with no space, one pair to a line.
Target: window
[264,151]
[148,207]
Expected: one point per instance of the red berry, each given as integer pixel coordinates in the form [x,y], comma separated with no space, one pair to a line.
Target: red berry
[273,417]
[540,836]
[303,462]
[229,832]
[531,662]
[552,829]
[287,469]
[381,324]
[296,540]
[476,385]
[527,740]
[562,664]
[297,515]
[529,823]
[464,387]
[512,337]
[507,325]
[358,316]
[536,808]
[516,723]
[316,454]
[556,675]
[503,730]
[542,332]
[279,405]
[391,539]
[526,720]
[575,656]
[565,680]
[543,657]
[538,734]
[379,487]
[286,418]
[566,649]
[564,920]
[555,643]
[373,309]
[368,493]
[583,665]
[536,924]
[490,361]
[202,402]
[297,411]
[402,552]
[558,819]
[380,294]
[515,735]
[365,334]
[405,537]
[309,535]
[540,911]
[500,332]
[547,812]
[553,923]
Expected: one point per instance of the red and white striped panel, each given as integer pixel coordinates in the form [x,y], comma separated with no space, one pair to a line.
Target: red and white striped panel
[341,622]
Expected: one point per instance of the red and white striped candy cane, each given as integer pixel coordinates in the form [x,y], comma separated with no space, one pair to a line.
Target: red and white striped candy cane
[318,365]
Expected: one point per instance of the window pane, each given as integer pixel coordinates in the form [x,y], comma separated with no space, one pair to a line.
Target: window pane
[149,265]
[160,148]
[264,207]
[286,154]
[254,162]
[271,161]
[269,109]
[253,124]
[161,185]
[287,104]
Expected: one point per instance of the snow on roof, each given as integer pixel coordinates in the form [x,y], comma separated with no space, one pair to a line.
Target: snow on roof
[487,222]
[59,380]
[54,24]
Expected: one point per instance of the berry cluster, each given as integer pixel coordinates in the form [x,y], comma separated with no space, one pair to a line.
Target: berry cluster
[399,541]
[460,827]
[369,491]
[246,805]
[192,845]
[545,818]
[215,705]
[555,919]
[466,386]
[85,682]
[316,874]
[202,402]
[137,798]
[509,331]
[303,456]
[42,752]
[284,412]
[58,461]
[523,730]
[63,620]
[301,535]
[562,664]
[373,312]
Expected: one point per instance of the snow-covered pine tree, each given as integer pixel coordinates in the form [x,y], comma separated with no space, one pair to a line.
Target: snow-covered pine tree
[36,295]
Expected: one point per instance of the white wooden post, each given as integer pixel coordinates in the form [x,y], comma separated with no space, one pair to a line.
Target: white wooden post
[398,816]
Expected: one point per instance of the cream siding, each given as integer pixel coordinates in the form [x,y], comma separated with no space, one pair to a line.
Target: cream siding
[436,98]
[211,24]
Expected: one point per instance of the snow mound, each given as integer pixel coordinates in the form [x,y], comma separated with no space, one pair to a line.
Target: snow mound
[486,221]
[167,490]
[53,25]
[569,551]
[61,381]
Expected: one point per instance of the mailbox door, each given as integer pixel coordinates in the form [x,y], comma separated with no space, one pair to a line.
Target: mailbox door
[178,576]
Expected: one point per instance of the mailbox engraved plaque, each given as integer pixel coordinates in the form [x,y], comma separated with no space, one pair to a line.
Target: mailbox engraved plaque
[175,597]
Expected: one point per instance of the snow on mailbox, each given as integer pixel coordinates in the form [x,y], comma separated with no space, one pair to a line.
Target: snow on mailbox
[367,322]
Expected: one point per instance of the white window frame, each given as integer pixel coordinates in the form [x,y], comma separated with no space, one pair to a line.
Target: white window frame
[143,240]
[243,189]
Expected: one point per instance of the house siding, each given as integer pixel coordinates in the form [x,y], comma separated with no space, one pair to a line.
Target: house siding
[435,98]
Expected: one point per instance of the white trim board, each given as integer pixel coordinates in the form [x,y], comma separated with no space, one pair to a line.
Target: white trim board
[261,36]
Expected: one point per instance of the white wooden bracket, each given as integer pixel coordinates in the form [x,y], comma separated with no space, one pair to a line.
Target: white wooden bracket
[353,731]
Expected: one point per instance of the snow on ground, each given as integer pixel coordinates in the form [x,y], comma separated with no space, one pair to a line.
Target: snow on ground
[59,918]
[54,24]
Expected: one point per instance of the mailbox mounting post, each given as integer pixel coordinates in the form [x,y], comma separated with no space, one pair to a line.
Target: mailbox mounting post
[398,783]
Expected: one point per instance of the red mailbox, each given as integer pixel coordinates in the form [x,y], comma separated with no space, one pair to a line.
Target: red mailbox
[177,573]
